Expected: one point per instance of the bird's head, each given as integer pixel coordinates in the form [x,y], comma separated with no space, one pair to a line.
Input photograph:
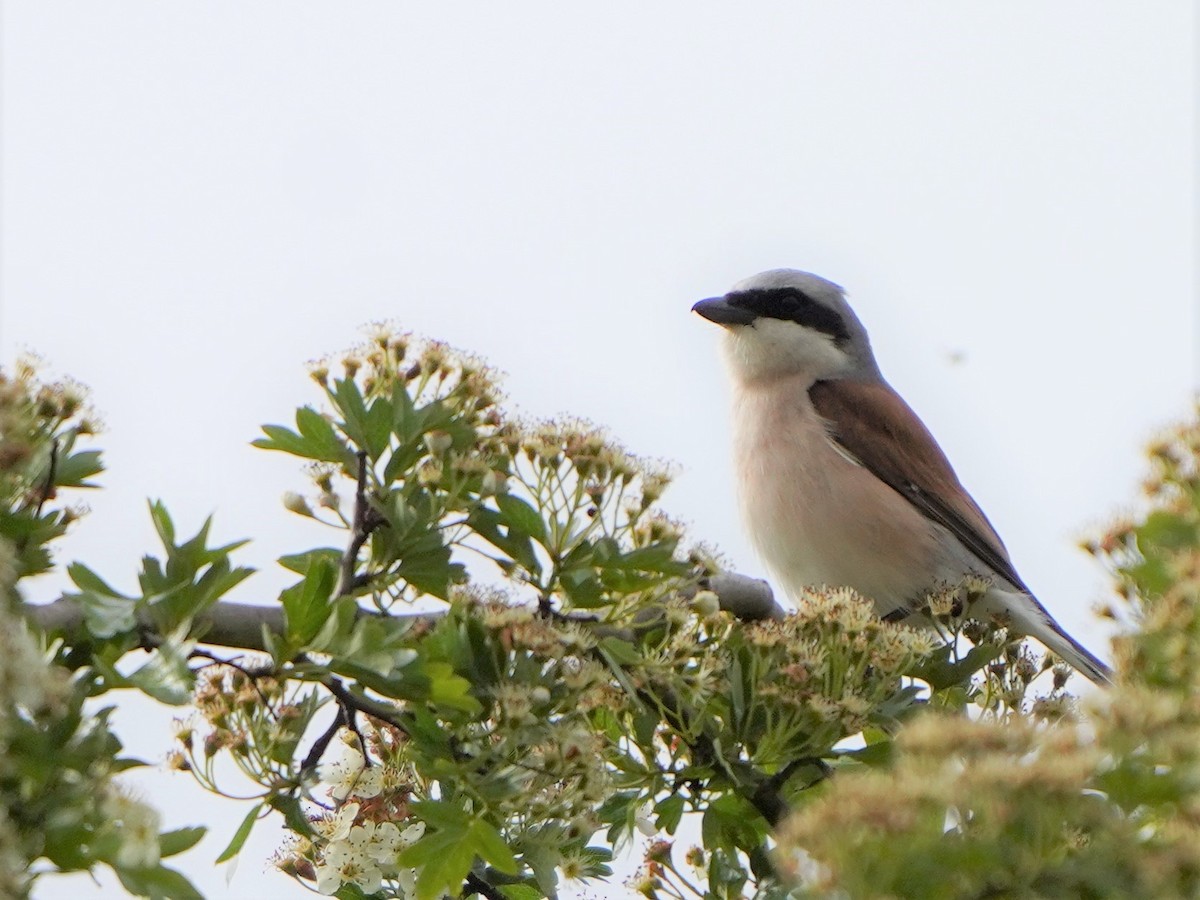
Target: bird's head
[786,322]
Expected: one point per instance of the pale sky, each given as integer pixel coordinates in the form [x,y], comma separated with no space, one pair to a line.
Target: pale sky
[199,198]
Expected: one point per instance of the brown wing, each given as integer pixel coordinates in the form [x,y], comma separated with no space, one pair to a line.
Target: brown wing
[874,425]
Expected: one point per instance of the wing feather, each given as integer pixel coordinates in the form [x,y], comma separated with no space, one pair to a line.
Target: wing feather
[872,423]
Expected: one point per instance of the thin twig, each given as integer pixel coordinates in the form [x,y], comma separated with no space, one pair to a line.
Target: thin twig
[313,757]
[363,524]
[372,708]
[349,714]
[251,674]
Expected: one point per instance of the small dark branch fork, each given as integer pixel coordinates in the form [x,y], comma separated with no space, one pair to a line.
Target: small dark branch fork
[321,744]
[476,885]
[51,473]
[365,521]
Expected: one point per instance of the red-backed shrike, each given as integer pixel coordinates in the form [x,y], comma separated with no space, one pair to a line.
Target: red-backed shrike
[840,482]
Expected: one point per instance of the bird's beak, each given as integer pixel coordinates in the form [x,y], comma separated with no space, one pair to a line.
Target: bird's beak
[721,311]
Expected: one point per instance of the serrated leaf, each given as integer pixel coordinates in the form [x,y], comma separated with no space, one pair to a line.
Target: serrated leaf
[299,562]
[942,673]
[442,816]
[306,605]
[105,612]
[166,676]
[490,845]
[322,437]
[87,580]
[280,438]
[669,813]
[449,689]
[162,523]
[73,470]
[620,651]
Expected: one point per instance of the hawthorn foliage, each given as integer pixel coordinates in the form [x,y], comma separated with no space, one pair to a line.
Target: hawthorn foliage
[501,664]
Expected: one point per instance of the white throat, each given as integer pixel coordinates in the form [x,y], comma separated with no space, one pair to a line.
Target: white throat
[774,348]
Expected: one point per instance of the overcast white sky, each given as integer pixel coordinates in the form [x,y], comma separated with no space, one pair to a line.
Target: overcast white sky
[198,198]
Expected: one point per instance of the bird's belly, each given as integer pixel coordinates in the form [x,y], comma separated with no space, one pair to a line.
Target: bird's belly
[817,518]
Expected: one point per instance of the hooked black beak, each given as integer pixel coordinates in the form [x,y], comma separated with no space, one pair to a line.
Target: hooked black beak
[721,311]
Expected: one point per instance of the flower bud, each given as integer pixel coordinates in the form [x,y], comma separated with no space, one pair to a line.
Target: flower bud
[706,604]
[294,502]
[493,483]
[438,442]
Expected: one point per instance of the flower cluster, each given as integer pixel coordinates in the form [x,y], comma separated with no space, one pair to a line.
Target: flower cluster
[251,716]
[1101,802]
[360,841]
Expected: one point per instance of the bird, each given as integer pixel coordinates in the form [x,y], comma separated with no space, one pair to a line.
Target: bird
[840,483]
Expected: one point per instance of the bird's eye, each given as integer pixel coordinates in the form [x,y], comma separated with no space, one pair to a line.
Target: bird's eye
[792,305]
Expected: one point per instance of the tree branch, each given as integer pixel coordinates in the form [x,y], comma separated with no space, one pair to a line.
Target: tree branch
[242,625]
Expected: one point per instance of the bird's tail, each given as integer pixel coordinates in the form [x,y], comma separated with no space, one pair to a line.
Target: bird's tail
[1029,617]
[1074,654]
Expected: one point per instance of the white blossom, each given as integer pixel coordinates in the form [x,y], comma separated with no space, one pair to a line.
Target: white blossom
[137,825]
[337,826]
[351,777]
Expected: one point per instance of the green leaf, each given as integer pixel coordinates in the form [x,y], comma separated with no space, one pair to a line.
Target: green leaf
[316,439]
[620,651]
[105,612]
[520,892]
[1165,530]
[443,859]
[350,404]
[378,426]
[491,525]
[669,812]
[322,438]
[442,816]
[731,824]
[429,569]
[239,837]
[87,580]
[491,847]
[159,883]
[306,605]
[294,815]
[582,587]
[449,689]
[299,562]
[941,672]
[166,676]
[75,469]
[162,523]
[877,755]
[658,557]
[179,840]
[519,515]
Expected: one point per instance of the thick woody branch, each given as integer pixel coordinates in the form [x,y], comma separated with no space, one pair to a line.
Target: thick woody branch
[243,625]
[746,598]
